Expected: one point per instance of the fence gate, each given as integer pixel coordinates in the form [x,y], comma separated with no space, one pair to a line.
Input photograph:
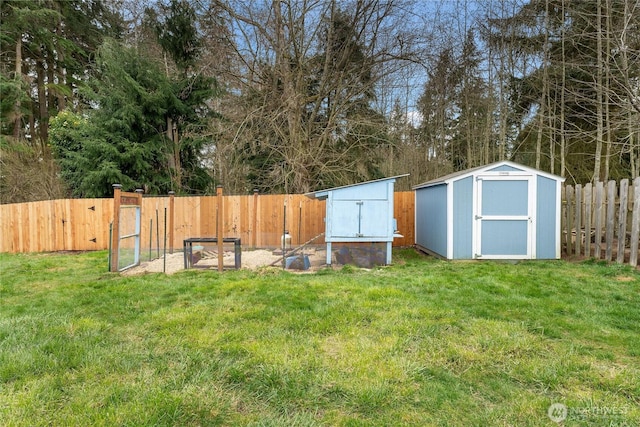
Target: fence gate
[125,236]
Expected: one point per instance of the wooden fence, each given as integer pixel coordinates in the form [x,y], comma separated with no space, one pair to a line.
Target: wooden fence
[597,221]
[601,221]
[83,224]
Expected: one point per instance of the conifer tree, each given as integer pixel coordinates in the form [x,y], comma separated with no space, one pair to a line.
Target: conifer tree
[124,139]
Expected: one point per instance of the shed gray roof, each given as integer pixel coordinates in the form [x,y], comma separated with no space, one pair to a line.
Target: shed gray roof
[323,193]
[464,173]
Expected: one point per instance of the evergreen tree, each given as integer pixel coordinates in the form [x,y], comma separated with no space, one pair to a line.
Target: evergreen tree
[124,139]
[175,26]
[45,50]
[439,108]
[51,41]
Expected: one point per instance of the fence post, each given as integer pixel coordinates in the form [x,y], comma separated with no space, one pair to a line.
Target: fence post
[254,222]
[220,231]
[622,220]
[115,231]
[598,220]
[635,223]
[171,216]
[611,219]
[569,193]
[578,219]
[587,220]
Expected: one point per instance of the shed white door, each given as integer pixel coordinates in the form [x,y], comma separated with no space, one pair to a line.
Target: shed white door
[504,218]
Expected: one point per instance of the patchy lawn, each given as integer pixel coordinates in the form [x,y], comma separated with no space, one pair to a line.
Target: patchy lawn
[423,342]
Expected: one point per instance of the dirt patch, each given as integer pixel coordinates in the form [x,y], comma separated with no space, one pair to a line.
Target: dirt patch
[251,259]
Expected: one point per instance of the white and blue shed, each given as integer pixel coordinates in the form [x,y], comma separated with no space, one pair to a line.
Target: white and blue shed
[359,213]
[499,211]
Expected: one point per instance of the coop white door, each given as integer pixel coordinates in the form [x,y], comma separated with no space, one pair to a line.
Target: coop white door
[374,219]
[345,219]
[504,220]
[359,218]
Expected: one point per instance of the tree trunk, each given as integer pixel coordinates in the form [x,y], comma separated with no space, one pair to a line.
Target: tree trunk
[553,130]
[563,89]
[489,123]
[599,97]
[607,95]
[173,155]
[42,100]
[176,157]
[632,115]
[17,121]
[545,86]
[61,71]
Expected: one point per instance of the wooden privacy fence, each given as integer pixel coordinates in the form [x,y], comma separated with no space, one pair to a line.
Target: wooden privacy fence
[258,220]
[602,221]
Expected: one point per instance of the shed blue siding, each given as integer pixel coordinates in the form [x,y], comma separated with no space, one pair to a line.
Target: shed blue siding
[507,224]
[431,219]
[546,218]
[463,218]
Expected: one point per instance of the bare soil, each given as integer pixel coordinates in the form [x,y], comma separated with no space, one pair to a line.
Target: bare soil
[251,259]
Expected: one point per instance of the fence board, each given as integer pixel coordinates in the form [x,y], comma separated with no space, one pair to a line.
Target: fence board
[569,204]
[37,226]
[404,212]
[19,223]
[246,203]
[598,219]
[5,228]
[622,220]
[207,217]
[610,221]
[22,224]
[587,220]
[59,242]
[82,226]
[635,223]
[578,224]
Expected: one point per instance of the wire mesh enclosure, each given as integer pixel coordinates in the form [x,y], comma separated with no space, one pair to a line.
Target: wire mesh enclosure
[129,239]
[203,252]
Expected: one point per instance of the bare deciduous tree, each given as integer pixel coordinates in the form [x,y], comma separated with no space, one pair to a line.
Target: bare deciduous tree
[307,78]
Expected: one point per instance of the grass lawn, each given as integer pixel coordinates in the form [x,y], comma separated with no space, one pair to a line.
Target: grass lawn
[423,342]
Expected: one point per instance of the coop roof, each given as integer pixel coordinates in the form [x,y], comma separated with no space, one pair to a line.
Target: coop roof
[323,194]
[464,173]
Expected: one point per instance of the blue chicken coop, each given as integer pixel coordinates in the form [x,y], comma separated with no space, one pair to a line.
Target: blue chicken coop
[359,222]
[499,211]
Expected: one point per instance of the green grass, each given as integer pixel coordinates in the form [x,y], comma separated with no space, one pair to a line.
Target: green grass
[423,342]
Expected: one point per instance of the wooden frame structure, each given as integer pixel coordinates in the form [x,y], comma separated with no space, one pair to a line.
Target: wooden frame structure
[124,200]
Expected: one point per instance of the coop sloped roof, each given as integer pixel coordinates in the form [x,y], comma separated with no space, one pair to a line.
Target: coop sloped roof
[464,173]
[323,194]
